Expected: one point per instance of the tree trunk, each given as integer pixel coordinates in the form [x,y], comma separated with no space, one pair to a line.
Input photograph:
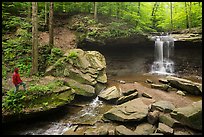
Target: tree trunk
[187,22]
[118,10]
[45,13]
[189,19]
[138,14]
[171,9]
[51,38]
[154,10]
[34,38]
[29,10]
[95,11]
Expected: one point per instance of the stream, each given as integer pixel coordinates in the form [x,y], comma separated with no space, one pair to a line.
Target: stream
[130,64]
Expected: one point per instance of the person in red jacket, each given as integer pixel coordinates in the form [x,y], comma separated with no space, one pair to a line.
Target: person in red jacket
[17,80]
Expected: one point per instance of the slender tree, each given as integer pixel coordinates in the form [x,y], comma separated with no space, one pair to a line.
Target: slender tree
[95,11]
[154,10]
[29,10]
[45,13]
[187,20]
[51,38]
[138,13]
[34,38]
[171,11]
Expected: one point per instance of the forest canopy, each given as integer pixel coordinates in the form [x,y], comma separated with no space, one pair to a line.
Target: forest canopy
[145,16]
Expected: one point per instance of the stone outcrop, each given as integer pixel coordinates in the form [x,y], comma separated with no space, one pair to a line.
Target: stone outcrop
[168,120]
[160,86]
[81,89]
[185,85]
[126,98]
[134,110]
[190,116]
[110,94]
[86,67]
[163,106]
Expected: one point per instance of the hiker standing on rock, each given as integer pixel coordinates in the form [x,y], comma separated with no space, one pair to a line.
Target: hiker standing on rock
[17,80]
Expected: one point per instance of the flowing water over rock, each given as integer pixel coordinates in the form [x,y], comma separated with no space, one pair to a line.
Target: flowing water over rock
[164,46]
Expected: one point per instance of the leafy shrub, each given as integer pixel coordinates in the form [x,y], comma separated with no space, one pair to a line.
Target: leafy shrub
[56,53]
[14,101]
[73,55]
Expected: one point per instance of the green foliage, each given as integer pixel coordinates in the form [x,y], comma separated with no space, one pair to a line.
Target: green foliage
[16,51]
[45,88]
[14,101]
[56,53]
[39,88]
[72,55]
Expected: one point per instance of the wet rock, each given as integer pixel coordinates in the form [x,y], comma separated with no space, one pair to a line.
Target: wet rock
[167,120]
[180,93]
[100,87]
[97,131]
[157,134]
[122,81]
[122,130]
[160,86]
[144,94]
[126,98]
[153,117]
[134,110]
[181,133]
[164,81]
[71,131]
[126,89]
[111,132]
[185,85]
[145,129]
[166,130]
[149,81]
[163,106]
[81,89]
[110,93]
[172,89]
[190,115]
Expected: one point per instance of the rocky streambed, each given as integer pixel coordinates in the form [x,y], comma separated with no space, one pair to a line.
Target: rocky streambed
[129,105]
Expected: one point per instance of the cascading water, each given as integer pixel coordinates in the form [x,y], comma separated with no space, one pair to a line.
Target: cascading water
[164,46]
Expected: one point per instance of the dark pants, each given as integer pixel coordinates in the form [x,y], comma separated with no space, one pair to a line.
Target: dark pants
[17,86]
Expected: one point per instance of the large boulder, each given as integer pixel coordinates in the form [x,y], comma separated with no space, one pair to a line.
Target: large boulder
[190,115]
[86,67]
[134,110]
[185,85]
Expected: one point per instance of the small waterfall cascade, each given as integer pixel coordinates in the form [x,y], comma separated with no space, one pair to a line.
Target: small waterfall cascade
[164,46]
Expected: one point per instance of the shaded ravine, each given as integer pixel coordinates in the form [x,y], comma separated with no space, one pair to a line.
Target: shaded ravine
[130,64]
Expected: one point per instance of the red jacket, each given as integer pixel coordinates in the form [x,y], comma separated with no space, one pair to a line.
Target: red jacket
[16,78]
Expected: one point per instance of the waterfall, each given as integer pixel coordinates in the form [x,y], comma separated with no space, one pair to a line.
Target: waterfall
[164,46]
